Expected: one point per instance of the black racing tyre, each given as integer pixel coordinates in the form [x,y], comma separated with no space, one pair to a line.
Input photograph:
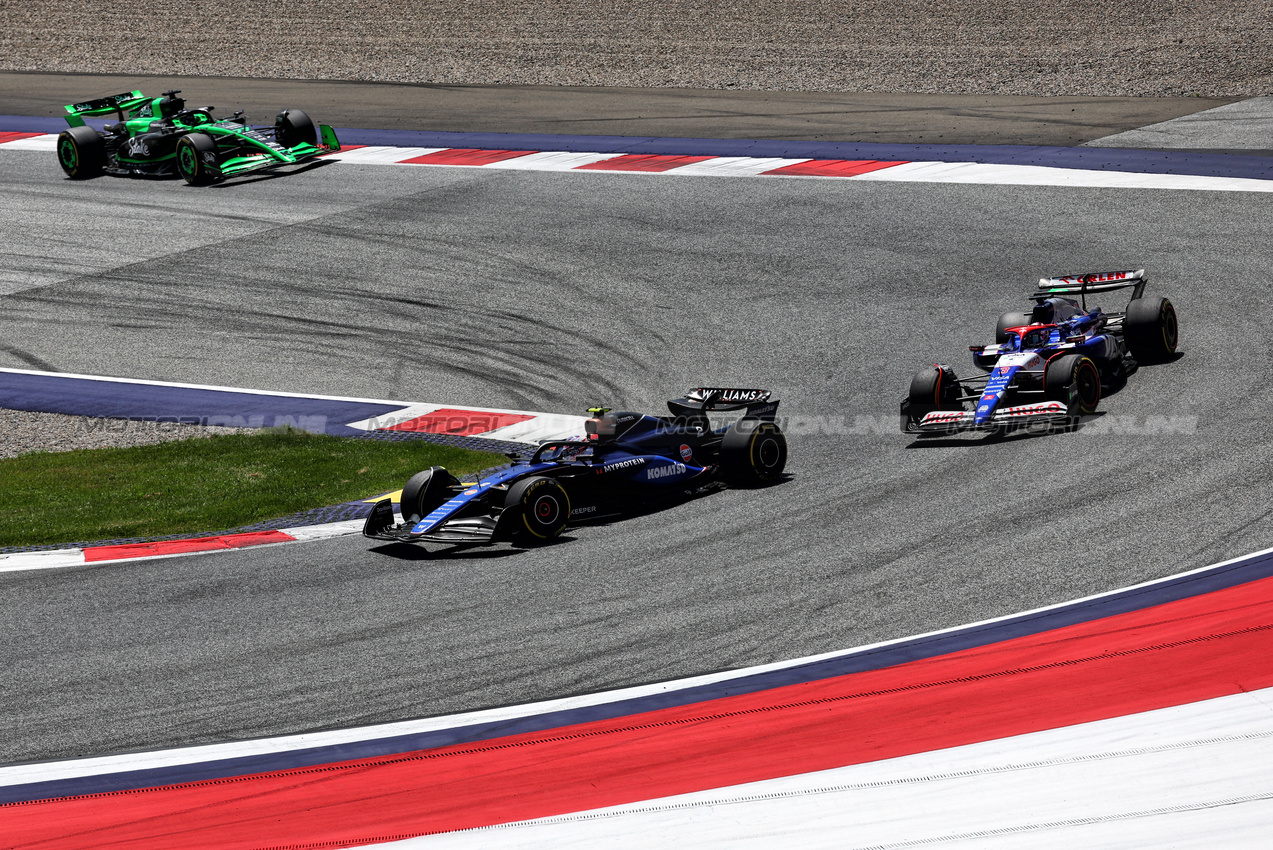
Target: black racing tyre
[1010,320]
[81,151]
[197,159]
[1079,372]
[1150,329]
[933,388]
[544,508]
[752,452]
[425,491]
[292,127]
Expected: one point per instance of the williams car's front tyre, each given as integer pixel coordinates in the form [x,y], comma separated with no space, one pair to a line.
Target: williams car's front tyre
[1150,329]
[1074,380]
[197,159]
[81,151]
[544,508]
[752,452]
[426,491]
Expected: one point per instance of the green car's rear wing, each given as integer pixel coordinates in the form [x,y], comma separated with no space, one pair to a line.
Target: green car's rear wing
[1083,284]
[116,104]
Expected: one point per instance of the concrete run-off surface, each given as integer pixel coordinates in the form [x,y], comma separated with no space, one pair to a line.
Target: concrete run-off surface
[1066,47]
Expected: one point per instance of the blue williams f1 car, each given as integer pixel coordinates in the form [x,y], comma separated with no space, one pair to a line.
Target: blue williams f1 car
[626,462]
[1049,366]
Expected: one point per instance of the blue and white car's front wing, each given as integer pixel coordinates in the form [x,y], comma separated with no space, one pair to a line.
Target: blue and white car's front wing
[951,421]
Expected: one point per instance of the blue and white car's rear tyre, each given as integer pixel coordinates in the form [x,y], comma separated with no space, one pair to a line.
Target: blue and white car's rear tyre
[292,127]
[1150,329]
[1075,380]
[544,506]
[1010,320]
[426,491]
[81,151]
[753,452]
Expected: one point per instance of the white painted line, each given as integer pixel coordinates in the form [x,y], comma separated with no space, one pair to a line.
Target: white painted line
[35,143]
[46,560]
[380,154]
[734,166]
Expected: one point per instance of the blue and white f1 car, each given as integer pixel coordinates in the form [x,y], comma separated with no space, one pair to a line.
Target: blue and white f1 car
[625,463]
[1049,366]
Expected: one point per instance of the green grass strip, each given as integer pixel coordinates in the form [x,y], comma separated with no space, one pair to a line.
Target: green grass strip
[205,484]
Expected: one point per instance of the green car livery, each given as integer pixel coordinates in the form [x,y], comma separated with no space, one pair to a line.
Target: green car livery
[159,137]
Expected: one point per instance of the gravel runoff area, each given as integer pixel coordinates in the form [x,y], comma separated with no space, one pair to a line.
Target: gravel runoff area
[1220,48]
[22,432]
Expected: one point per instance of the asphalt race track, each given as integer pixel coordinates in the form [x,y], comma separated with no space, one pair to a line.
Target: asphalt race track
[556,291]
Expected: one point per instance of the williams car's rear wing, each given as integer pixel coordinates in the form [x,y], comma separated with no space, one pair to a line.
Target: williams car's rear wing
[757,403]
[116,104]
[1083,284]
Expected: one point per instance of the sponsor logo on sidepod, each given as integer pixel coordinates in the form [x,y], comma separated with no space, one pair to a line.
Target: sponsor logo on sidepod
[623,464]
[656,472]
[588,510]
[686,452]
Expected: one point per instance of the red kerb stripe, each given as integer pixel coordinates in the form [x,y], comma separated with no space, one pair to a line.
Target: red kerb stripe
[832,168]
[464,156]
[642,162]
[1172,654]
[173,547]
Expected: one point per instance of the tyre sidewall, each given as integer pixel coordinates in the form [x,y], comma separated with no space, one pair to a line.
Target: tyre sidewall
[545,508]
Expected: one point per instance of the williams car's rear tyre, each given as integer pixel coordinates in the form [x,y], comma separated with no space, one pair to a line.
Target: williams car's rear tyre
[544,506]
[752,452]
[81,151]
[1010,320]
[197,159]
[1151,330]
[426,491]
[1077,372]
[292,127]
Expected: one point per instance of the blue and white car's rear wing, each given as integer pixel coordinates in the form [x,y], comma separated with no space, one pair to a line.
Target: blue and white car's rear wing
[1083,285]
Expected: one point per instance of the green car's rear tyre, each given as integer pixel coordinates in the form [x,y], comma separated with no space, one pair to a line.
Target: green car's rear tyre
[544,506]
[292,127]
[197,159]
[81,152]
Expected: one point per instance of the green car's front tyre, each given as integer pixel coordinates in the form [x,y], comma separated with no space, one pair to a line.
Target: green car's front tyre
[197,159]
[81,152]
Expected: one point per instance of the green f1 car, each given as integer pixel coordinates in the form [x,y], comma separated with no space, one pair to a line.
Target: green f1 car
[159,137]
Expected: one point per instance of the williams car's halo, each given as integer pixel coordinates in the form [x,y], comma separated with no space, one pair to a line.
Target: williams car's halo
[626,462]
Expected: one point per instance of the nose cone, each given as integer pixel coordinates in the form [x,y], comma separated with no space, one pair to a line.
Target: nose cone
[986,406]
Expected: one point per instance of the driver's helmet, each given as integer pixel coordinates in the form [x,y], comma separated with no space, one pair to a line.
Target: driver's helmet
[1036,337]
[168,105]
